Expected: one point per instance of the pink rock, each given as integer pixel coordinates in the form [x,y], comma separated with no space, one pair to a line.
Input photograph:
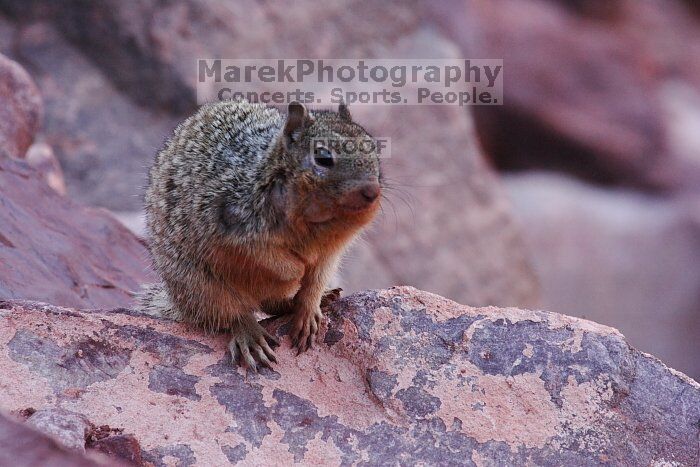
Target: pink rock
[68,428]
[619,258]
[397,375]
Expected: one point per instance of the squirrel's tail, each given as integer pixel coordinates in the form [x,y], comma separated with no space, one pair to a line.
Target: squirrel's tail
[153,300]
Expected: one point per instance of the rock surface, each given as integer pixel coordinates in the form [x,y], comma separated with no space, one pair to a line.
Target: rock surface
[69,428]
[617,257]
[20,109]
[51,248]
[398,375]
[55,250]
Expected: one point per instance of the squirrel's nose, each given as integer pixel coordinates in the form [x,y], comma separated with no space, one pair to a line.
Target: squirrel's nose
[362,196]
[370,191]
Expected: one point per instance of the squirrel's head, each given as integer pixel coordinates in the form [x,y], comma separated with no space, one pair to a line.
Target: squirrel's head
[337,176]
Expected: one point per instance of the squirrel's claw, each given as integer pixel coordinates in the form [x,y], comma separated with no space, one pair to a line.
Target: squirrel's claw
[270,339]
[247,346]
[262,358]
[247,358]
[266,350]
[304,330]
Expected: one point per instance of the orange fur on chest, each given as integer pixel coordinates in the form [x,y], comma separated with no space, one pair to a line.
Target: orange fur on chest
[254,275]
[266,272]
[315,242]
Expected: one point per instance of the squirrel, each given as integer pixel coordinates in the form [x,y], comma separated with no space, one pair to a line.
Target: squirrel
[249,211]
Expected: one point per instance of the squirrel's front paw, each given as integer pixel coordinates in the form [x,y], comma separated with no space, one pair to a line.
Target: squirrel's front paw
[251,343]
[305,326]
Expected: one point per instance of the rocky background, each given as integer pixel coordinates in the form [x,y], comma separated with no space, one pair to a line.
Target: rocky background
[580,195]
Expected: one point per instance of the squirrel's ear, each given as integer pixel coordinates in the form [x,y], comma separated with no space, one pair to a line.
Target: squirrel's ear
[344,111]
[296,115]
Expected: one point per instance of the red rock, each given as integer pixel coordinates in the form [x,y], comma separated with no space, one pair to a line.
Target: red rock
[103,140]
[589,87]
[20,109]
[147,53]
[397,375]
[52,249]
[123,447]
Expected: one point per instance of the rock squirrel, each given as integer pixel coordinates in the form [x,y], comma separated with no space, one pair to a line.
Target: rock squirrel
[249,211]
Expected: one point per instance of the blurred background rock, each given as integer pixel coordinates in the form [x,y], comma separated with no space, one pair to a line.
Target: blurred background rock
[579,195]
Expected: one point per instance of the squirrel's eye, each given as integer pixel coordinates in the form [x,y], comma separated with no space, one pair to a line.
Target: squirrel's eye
[323,157]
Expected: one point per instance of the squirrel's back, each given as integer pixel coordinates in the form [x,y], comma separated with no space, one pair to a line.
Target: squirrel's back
[218,151]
